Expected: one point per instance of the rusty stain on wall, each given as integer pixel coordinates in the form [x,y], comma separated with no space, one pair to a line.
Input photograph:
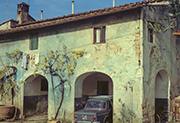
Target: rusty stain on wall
[113,48]
[137,44]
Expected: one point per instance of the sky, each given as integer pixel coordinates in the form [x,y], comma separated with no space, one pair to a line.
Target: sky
[54,8]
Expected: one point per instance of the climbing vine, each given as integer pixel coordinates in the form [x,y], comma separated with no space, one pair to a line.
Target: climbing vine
[15,55]
[127,114]
[8,83]
[61,64]
[171,16]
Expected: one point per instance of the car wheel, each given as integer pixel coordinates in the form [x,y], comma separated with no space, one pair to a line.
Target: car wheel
[107,120]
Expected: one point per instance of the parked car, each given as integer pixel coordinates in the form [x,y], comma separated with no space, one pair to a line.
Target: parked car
[98,109]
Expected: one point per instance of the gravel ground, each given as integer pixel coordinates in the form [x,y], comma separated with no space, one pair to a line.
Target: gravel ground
[33,119]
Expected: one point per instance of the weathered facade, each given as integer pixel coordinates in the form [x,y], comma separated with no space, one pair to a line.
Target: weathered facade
[138,67]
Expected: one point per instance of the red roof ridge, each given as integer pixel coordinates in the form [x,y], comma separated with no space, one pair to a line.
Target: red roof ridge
[87,12]
[78,16]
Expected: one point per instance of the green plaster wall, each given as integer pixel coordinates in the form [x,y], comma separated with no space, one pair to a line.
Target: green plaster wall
[120,58]
[158,57]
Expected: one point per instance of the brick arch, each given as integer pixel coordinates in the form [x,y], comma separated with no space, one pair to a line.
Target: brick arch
[91,84]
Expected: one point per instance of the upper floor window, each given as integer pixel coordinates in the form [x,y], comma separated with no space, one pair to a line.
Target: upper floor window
[151,32]
[150,35]
[99,35]
[34,41]
[153,28]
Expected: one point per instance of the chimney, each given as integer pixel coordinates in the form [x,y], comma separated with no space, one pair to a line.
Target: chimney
[41,14]
[22,12]
[72,7]
[113,3]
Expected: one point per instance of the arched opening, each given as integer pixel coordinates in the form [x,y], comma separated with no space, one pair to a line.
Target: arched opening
[161,92]
[35,95]
[91,84]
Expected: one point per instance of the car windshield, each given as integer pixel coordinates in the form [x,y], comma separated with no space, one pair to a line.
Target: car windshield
[100,105]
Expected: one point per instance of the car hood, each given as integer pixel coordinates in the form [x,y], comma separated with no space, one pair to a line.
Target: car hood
[89,112]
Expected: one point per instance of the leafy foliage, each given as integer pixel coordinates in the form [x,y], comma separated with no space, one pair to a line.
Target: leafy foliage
[172,15]
[8,83]
[15,55]
[175,8]
[61,64]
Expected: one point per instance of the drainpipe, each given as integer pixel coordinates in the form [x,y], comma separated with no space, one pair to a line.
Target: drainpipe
[72,7]
[113,3]
[41,14]
[7,13]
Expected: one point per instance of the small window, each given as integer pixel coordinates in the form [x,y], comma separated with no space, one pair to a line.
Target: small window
[34,42]
[99,35]
[150,35]
[44,85]
[151,32]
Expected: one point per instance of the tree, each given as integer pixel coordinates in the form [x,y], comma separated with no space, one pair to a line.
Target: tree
[61,64]
[171,16]
[8,82]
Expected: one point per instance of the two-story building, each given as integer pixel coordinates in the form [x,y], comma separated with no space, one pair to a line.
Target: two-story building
[123,57]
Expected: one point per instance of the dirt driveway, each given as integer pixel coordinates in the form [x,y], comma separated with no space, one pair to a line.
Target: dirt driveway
[32,119]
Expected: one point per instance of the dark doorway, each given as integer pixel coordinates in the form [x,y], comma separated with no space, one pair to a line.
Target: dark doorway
[161,95]
[35,95]
[102,88]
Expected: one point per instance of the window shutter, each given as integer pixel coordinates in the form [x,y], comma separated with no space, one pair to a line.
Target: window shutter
[103,34]
[31,43]
[34,42]
[94,35]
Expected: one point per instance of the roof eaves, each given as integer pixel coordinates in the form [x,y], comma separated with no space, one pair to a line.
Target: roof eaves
[43,25]
[75,17]
[8,21]
[110,9]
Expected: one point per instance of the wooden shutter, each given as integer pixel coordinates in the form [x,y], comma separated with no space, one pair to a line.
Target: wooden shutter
[99,35]
[94,35]
[103,34]
[34,42]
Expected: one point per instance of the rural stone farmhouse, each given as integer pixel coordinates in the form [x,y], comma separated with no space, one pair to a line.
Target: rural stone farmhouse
[123,56]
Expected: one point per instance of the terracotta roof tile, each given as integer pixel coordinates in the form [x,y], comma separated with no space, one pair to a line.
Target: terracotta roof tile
[74,17]
[8,21]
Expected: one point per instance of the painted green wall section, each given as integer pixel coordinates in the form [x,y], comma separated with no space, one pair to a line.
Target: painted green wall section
[120,58]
